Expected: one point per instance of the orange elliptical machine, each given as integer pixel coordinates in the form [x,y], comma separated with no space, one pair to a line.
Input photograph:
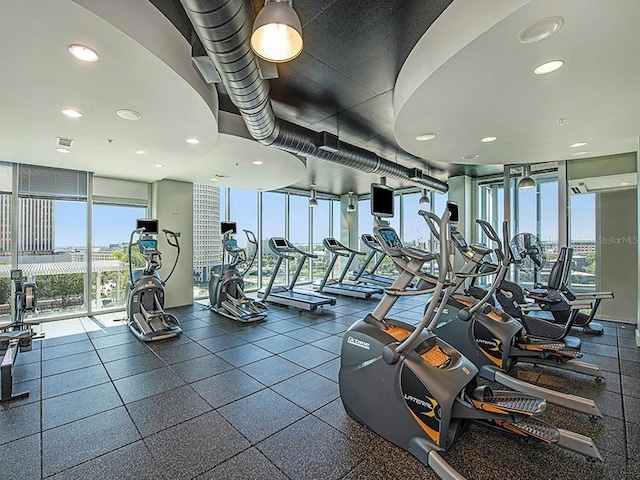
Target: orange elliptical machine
[416,390]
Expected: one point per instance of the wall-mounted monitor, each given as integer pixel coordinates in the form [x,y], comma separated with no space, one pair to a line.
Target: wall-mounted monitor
[228,227]
[381,200]
[150,225]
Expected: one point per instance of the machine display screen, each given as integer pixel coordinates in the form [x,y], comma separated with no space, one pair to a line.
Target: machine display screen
[459,239]
[332,242]
[150,225]
[148,244]
[381,200]
[226,227]
[280,242]
[390,237]
[368,238]
[16,274]
[453,209]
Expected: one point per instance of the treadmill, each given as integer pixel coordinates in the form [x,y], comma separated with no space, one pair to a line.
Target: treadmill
[286,295]
[369,276]
[339,287]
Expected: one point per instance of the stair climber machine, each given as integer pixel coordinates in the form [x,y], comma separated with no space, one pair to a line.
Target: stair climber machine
[340,287]
[146,317]
[285,294]
[17,336]
[362,275]
[226,286]
[494,341]
[553,300]
[416,390]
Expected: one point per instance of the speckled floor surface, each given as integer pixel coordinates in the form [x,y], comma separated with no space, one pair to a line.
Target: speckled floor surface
[232,401]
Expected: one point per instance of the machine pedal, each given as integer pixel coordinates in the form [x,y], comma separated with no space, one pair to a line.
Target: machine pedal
[542,346]
[503,401]
[533,427]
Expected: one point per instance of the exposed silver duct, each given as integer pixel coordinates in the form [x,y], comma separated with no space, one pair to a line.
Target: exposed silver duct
[224,28]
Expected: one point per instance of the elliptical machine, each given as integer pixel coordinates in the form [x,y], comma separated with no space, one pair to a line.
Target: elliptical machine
[146,317]
[226,286]
[416,390]
[18,335]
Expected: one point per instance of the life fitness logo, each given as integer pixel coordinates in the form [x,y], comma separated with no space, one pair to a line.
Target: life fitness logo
[358,343]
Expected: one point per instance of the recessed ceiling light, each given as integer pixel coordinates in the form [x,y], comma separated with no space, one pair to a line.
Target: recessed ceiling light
[83,53]
[257,162]
[586,152]
[473,156]
[213,179]
[578,144]
[540,30]
[158,165]
[425,136]
[62,150]
[129,114]
[562,121]
[69,112]
[140,152]
[624,184]
[489,139]
[193,141]
[548,67]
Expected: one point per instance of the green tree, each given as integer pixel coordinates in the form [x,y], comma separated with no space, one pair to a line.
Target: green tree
[5,290]
[590,261]
[137,259]
[64,288]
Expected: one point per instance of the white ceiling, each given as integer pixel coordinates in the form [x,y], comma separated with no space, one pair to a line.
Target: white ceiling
[470,78]
[39,77]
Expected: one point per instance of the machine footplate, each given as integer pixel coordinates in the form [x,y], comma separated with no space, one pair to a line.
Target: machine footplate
[533,427]
[542,346]
[503,401]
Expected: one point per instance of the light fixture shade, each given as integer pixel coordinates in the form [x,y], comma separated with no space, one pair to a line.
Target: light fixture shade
[424,199]
[526,181]
[351,207]
[313,203]
[277,32]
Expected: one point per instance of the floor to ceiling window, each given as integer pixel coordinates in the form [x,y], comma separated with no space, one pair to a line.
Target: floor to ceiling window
[583,241]
[112,226]
[6,187]
[321,230]
[299,212]
[243,209]
[273,225]
[52,236]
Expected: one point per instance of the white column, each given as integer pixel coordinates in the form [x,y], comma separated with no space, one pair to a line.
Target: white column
[638,199]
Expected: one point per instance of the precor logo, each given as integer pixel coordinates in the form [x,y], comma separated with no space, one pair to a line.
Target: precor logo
[358,343]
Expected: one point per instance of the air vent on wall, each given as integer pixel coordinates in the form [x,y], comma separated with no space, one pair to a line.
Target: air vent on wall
[221,176]
[578,189]
[64,142]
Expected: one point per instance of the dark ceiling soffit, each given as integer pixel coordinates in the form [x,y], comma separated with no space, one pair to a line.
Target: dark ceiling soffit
[224,29]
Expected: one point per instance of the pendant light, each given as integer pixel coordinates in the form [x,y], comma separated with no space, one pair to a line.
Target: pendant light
[424,199]
[277,32]
[312,201]
[526,181]
[351,207]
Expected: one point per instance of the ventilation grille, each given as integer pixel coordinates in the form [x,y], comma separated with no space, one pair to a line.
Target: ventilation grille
[64,142]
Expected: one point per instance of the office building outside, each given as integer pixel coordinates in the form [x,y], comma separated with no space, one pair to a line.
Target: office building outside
[36,233]
[207,249]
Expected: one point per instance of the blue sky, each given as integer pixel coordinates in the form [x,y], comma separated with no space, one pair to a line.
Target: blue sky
[113,224]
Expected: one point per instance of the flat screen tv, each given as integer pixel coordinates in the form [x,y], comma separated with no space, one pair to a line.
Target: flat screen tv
[150,225]
[381,200]
[226,227]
